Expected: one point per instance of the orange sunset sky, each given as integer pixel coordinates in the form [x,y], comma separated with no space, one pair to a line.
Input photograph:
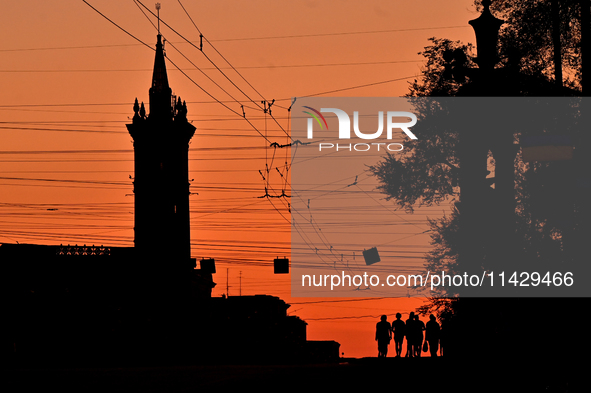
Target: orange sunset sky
[68,81]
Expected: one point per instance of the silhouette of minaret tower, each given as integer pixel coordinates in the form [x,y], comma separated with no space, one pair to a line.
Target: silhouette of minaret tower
[161,184]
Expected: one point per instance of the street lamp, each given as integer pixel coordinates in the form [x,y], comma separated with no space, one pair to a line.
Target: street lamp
[486,27]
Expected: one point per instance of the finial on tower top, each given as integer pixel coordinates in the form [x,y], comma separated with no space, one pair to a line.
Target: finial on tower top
[158,6]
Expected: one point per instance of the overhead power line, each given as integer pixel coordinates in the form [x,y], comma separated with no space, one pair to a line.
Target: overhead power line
[312,35]
[119,27]
[177,67]
[364,85]
[316,35]
[200,49]
[238,67]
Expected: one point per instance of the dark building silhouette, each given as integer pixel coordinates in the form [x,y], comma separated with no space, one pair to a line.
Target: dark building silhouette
[147,304]
[161,184]
[258,329]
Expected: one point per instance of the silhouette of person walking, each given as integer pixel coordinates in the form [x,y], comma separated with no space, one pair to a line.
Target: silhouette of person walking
[410,335]
[398,328]
[432,334]
[419,327]
[383,336]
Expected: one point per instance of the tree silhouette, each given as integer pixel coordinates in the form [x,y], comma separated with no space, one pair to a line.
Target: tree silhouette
[529,32]
[550,225]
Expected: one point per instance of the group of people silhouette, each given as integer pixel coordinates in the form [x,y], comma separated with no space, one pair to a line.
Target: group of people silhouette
[419,337]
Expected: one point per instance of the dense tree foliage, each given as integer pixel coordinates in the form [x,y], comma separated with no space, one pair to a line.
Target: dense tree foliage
[427,172]
[528,32]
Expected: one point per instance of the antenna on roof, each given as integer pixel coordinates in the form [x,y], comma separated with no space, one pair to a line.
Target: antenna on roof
[158,13]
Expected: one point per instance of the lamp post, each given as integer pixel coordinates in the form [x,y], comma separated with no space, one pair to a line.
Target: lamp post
[499,140]
[486,27]
[487,215]
[482,224]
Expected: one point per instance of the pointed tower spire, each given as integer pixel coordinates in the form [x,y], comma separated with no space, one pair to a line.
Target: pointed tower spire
[159,75]
[160,92]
